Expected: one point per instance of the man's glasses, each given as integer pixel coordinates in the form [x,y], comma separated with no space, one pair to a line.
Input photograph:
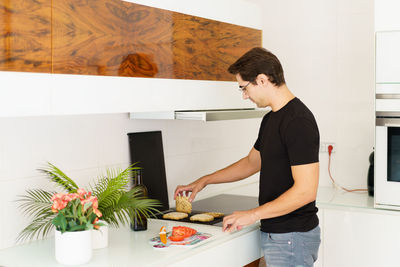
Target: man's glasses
[242,88]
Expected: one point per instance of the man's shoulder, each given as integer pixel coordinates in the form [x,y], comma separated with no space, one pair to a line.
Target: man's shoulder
[298,114]
[298,110]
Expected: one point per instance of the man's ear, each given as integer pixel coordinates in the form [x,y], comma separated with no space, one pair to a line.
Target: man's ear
[262,79]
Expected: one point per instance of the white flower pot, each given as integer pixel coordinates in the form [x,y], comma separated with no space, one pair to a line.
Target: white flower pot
[73,248]
[100,237]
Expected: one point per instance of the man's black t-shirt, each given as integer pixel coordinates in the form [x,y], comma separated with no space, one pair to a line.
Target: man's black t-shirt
[286,138]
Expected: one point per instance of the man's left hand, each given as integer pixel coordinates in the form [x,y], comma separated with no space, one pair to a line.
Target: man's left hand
[238,220]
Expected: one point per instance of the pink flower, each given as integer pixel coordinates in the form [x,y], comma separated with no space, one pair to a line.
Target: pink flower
[57,196]
[71,196]
[95,204]
[87,200]
[82,193]
[58,205]
[59,202]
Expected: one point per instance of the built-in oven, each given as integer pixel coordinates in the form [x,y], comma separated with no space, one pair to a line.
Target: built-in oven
[387,108]
[387,160]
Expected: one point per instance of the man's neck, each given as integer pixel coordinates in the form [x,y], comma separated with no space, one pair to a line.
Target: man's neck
[281,97]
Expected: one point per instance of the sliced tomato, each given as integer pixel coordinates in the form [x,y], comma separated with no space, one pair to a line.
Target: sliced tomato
[178,231]
[183,231]
[193,231]
[176,238]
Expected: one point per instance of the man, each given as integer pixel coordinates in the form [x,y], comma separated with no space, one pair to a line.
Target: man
[286,154]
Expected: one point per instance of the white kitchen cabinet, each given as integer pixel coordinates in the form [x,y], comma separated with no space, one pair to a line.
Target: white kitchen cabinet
[387,15]
[360,238]
[238,252]
[36,94]
[387,60]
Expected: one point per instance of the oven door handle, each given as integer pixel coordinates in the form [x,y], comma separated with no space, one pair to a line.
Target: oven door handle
[388,122]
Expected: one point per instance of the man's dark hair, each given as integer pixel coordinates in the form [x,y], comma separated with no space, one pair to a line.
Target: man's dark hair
[256,61]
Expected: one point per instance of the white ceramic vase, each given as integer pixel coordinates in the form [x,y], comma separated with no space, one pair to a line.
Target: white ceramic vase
[100,237]
[73,248]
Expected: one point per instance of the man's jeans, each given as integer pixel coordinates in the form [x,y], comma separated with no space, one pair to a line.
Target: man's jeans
[296,249]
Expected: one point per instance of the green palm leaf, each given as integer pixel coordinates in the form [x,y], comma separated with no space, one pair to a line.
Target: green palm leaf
[60,178]
[35,201]
[40,226]
[115,202]
[115,180]
[36,204]
[123,211]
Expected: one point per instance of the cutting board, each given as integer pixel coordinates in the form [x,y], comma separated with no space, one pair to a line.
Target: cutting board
[187,242]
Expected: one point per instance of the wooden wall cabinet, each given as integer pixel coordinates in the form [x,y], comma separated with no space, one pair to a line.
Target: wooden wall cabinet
[25,35]
[117,38]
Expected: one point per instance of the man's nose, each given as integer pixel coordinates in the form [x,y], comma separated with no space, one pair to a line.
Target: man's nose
[245,96]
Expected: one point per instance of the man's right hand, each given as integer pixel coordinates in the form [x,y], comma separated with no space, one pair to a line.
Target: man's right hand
[194,188]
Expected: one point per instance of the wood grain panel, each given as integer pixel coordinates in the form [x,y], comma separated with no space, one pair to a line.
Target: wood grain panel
[25,35]
[112,37]
[204,49]
[116,38]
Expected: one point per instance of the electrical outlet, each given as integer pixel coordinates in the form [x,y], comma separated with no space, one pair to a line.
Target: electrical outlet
[333,147]
[323,148]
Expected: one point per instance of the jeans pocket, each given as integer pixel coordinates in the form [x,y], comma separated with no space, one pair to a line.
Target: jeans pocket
[278,249]
[286,238]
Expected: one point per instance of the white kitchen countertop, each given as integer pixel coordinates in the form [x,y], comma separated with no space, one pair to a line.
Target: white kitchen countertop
[336,198]
[128,248]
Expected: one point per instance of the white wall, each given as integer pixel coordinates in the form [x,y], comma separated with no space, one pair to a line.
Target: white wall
[327,51]
[222,10]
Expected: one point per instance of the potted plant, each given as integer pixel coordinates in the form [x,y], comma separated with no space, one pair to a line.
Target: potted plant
[76,215]
[116,202]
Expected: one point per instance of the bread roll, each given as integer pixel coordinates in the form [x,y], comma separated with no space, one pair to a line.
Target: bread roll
[183,204]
